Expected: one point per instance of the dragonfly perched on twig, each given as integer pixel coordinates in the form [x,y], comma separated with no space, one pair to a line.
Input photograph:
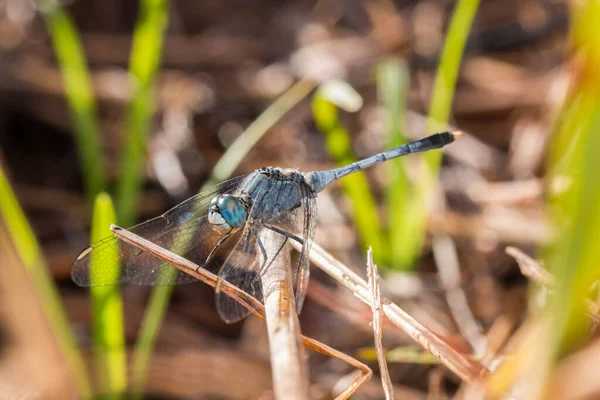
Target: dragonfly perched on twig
[220,230]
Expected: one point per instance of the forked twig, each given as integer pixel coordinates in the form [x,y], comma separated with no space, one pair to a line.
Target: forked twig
[386,382]
[288,364]
[242,297]
[467,369]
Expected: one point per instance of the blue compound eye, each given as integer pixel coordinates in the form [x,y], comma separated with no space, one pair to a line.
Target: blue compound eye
[226,212]
[232,210]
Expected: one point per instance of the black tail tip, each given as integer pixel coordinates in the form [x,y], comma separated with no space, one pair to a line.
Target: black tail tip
[449,137]
[456,134]
[441,139]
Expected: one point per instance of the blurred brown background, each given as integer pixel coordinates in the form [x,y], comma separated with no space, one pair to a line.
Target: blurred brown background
[223,63]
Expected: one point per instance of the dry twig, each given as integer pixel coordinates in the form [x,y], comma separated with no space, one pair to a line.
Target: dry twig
[435,384]
[533,270]
[290,372]
[378,326]
[241,297]
[465,368]
[497,337]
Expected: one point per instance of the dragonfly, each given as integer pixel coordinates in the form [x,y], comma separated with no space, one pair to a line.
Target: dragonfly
[235,230]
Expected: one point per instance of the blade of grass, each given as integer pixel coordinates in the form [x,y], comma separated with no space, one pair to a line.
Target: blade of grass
[355,186]
[80,96]
[407,355]
[573,256]
[256,130]
[145,58]
[143,66]
[107,309]
[443,93]
[31,254]
[392,86]
[573,204]
[159,300]
[106,301]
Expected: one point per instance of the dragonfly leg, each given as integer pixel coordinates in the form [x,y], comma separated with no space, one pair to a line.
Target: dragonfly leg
[284,233]
[213,251]
[261,246]
[247,238]
[264,267]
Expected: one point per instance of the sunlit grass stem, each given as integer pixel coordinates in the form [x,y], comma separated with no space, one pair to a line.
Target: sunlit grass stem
[393,82]
[107,308]
[227,164]
[356,186]
[143,66]
[439,113]
[31,254]
[573,256]
[80,96]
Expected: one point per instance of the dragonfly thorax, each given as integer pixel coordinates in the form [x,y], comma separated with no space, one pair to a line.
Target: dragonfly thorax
[226,212]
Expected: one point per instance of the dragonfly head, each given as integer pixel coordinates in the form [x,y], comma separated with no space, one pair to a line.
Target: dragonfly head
[226,212]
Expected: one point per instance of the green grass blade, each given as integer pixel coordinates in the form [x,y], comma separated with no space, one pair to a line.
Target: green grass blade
[574,193]
[107,309]
[144,62]
[407,355]
[80,96]
[356,186]
[447,72]
[256,130]
[31,254]
[159,300]
[144,347]
[392,86]
[439,112]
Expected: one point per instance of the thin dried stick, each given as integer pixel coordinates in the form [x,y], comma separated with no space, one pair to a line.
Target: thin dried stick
[523,356]
[353,312]
[444,253]
[288,364]
[533,270]
[241,297]
[386,382]
[466,369]
[189,267]
[436,379]
[364,372]
[530,268]
[497,337]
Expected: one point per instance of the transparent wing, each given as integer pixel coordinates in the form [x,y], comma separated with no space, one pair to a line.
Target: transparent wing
[288,211]
[305,219]
[240,269]
[184,230]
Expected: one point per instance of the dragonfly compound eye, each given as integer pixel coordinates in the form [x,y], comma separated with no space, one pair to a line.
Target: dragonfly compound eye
[226,212]
[214,216]
[232,210]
